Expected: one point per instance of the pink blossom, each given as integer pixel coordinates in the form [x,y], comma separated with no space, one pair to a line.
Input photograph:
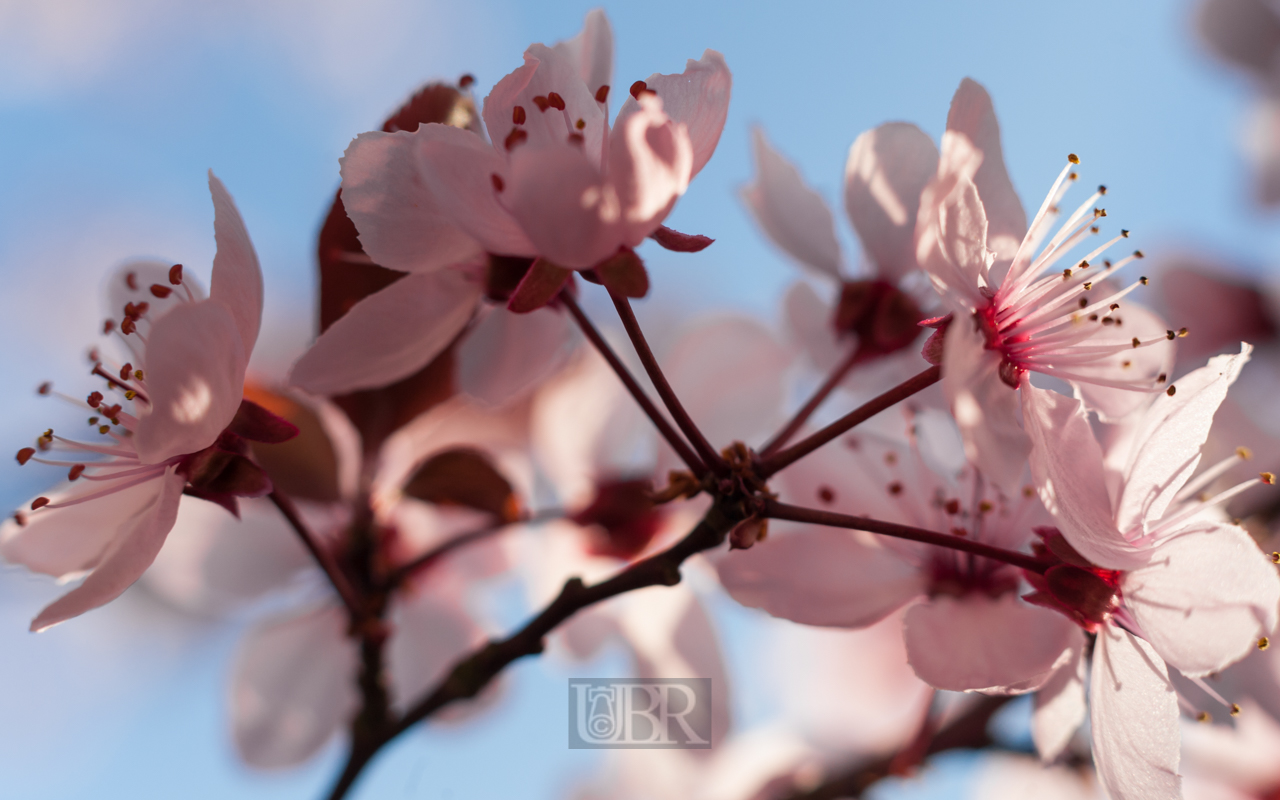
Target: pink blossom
[1019,306]
[185,384]
[1159,574]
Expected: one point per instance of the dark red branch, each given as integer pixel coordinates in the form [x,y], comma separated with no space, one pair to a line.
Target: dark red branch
[322,556]
[802,416]
[656,416]
[785,458]
[775,510]
[668,395]
[405,571]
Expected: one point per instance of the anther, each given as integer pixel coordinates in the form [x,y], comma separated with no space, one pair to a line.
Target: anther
[130,394]
[75,471]
[895,488]
[1093,317]
[1073,158]
[602,94]
[1066,274]
[1264,643]
[1088,285]
[952,506]
[108,326]
[637,88]
[985,507]
[1182,332]
[137,374]
[1139,254]
[25,454]
[1126,364]
[126,371]
[94,399]
[1106,263]
[1094,229]
[20,518]
[1138,342]
[1102,190]
[577,138]
[541,102]
[1114,306]
[1084,302]
[1170,335]
[1073,176]
[466,81]
[1028,491]
[93,420]
[514,138]
[517,115]
[1235,710]
[1143,280]
[175,274]
[1203,716]
[131,280]
[555,101]
[496,180]
[39,502]
[826,494]
[1268,478]
[103,429]
[1275,557]
[1172,390]
[1244,453]
[1108,321]
[580,124]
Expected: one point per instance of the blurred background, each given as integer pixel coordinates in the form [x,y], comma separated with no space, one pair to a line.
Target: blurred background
[112,110]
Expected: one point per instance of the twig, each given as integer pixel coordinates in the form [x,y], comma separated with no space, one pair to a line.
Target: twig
[668,395]
[407,569]
[775,510]
[322,556]
[473,673]
[784,458]
[659,419]
[802,416]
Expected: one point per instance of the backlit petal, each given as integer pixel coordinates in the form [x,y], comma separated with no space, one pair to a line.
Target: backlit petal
[888,168]
[794,216]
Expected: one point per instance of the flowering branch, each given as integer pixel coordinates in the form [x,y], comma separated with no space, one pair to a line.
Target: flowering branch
[785,458]
[802,416]
[775,510]
[331,569]
[659,420]
[668,395]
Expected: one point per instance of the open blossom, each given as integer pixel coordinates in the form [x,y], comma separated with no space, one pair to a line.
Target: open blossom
[1149,564]
[1019,306]
[966,627]
[186,429]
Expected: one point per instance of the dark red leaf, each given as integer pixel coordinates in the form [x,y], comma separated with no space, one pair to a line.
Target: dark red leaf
[464,477]
[257,424]
[624,274]
[306,466]
[539,286]
[680,242]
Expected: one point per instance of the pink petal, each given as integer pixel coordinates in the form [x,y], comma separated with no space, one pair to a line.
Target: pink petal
[1066,462]
[412,321]
[951,241]
[698,97]
[809,320]
[545,71]
[1146,362]
[1059,707]
[1246,32]
[125,559]
[1226,306]
[572,217]
[1005,776]
[1261,129]
[820,576]
[985,407]
[976,643]
[650,162]
[293,687]
[506,355]
[794,216]
[973,117]
[430,635]
[591,50]
[63,541]
[195,380]
[237,279]
[1205,598]
[1134,714]
[887,170]
[1167,445]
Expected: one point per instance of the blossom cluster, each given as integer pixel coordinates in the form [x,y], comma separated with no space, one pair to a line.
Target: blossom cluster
[973,467]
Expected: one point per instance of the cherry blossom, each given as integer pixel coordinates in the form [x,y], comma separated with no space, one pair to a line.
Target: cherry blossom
[1018,306]
[186,430]
[1149,565]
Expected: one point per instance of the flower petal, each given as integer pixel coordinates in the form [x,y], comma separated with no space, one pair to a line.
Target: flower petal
[591,50]
[237,278]
[1205,598]
[1134,715]
[431,635]
[545,71]
[650,163]
[698,97]
[977,643]
[985,408]
[794,216]
[571,215]
[1059,707]
[505,355]
[1167,445]
[973,117]
[412,321]
[292,687]
[195,381]
[1246,32]
[887,170]
[820,577]
[126,558]
[1066,463]
[951,241]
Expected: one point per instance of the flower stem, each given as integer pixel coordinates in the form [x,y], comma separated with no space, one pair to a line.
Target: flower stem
[775,510]
[322,557]
[785,458]
[802,416]
[659,420]
[668,395]
[405,571]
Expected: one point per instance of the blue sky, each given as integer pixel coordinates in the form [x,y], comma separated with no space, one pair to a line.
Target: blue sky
[110,113]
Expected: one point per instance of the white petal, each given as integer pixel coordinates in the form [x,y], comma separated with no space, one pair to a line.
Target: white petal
[698,97]
[591,50]
[809,319]
[506,355]
[1059,706]
[985,407]
[1134,714]
[237,279]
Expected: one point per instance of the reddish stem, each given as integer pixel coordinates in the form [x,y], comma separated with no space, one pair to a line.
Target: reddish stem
[322,556]
[802,416]
[785,458]
[668,395]
[407,569]
[775,510]
[659,420]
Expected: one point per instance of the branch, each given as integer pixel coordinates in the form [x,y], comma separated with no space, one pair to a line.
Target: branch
[659,419]
[471,674]
[775,510]
[668,395]
[802,416]
[406,570]
[785,458]
[322,556]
